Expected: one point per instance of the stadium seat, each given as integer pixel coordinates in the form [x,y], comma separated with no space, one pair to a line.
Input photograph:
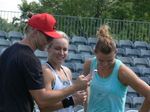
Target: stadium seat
[141,45]
[12,35]
[145,79]
[128,103]
[137,101]
[77,108]
[4,44]
[14,41]
[146,72]
[42,55]
[126,44]
[70,65]
[81,110]
[132,110]
[3,35]
[84,50]
[85,57]
[79,41]
[145,54]
[91,41]
[79,68]
[75,58]
[117,43]
[70,41]
[137,71]
[132,53]
[72,49]
[140,62]
[126,60]
[132,93]
[74,76]
[2,49]
[120,53]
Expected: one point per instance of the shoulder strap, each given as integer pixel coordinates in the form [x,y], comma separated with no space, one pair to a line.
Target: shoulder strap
[50,66]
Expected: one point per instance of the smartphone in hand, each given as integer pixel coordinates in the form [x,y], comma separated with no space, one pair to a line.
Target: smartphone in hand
[91,73]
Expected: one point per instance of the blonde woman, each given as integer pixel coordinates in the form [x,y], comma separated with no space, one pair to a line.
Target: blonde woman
[57,76]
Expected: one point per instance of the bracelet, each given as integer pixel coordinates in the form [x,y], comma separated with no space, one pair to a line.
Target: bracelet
[67,102]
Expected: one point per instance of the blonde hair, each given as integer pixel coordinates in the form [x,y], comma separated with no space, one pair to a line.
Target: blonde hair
[64,35]
[105,43]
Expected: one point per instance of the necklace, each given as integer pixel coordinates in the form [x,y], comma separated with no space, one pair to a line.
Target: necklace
[102,76]
[104,73]
[65,83]
[100,73]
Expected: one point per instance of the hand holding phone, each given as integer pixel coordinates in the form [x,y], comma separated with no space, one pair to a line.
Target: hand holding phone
[91,73]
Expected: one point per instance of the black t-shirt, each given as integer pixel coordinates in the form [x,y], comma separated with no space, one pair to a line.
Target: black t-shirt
[20,71]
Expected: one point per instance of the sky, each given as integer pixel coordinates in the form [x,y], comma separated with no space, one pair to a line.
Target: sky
[11,5]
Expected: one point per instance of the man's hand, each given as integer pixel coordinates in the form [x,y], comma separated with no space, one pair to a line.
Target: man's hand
[82,83]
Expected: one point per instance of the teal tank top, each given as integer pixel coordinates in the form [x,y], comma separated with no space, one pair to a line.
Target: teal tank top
[106,95]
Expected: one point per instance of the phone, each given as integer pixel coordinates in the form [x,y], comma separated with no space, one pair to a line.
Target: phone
[91,73]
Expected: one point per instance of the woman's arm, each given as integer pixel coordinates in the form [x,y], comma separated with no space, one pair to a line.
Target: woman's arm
[128,77]
[49,79]
[78,97]
[86,71]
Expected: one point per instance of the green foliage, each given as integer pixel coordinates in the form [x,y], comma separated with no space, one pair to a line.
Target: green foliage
[121,10]
[78,25]
[129,30]
[76,11]
[32,6]
[6,26]
[141,10]
[135,10]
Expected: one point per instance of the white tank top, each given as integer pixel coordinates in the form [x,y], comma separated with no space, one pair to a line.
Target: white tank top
[59,84]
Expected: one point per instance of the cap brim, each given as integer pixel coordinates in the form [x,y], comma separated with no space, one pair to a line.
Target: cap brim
[53,34]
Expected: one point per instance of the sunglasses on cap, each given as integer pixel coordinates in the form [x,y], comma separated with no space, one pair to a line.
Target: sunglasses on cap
[48,37]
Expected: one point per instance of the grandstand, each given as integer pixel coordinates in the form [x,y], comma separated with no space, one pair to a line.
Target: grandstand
[131,51]
[82,26]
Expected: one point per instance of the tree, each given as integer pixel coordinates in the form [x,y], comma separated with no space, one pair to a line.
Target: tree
[141,10]
[135,10]
[32,6]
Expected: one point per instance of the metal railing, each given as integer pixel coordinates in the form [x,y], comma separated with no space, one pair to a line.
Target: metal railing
[129,30]
[82,26]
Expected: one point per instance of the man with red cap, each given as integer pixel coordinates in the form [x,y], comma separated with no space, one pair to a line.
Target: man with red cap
[21,80]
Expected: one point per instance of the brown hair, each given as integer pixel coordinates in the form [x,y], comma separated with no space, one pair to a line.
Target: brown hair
[30,14]
[27,28]
[105,43]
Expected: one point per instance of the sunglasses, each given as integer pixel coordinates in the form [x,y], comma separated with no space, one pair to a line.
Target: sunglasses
[48,37]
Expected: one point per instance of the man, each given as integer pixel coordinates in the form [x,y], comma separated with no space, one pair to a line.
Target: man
[21,78]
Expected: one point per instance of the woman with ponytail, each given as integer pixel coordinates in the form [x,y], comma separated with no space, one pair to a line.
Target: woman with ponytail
[108,89]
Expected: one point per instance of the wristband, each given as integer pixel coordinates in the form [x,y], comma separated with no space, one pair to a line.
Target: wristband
[67,102]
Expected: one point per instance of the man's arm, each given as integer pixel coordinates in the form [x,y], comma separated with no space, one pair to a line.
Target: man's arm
[45,97]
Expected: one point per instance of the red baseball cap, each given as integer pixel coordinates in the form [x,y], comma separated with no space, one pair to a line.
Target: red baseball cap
[45,23]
